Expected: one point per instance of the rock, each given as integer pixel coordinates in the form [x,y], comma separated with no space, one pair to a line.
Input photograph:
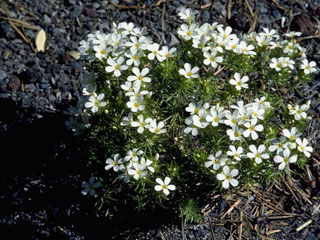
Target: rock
[30,87]
[14,83]
[3,75]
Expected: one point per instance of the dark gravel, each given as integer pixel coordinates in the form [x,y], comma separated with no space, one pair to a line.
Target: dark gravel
[40,183]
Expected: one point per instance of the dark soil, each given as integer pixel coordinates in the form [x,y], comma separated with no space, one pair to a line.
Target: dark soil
[42,163]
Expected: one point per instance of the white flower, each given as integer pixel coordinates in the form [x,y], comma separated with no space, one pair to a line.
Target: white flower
[89,187]
[166,53]
[236,153]
[285,159]
[303,147]
[262,40]
[299,112]
[191,127]
[218,160]
[199,119]
[262,102]
[235,133]
[233,45]
[95,102]
[278,145]
[257,154]
[164,185]
[136,44]
[247,50]
[139,75]
[114,163]
[232,119]
[138,170]
[252,128]
[126,120]
[84,47]
[194,108]
[116,66]
[154,52]
[147,163]
[228,177]
[239,82]
[133,155]
[187,72]
[134,58]
[101,51]
[256,111]
[308,67]
[292,34]
[292,134]
[187,14]
[276,64]
[157,128]
[126,27]
[141,124]
[287,62]
[225,34]
[210,58]
[270,33]
[186,32]
[214,117]
[136,104]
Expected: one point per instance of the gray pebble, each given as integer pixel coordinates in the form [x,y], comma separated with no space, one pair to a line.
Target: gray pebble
[3,75]
[30,87]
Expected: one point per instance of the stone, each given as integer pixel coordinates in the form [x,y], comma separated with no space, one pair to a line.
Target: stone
[14,83]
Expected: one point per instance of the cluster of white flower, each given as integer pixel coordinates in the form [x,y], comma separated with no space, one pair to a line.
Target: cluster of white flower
[299,112]
[215,41]
[128,57]
[243,120]
[243,123]
[135,166]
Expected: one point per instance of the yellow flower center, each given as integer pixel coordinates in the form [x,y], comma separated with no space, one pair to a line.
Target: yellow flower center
[103,51]
[115,163]
[135,57]
[233,120]
[155,52]
[137,45]
[117,67]
[216,160]
[156,130]
[236,134]
[212,59]
[164,186]
[286,160]
[189,74]
[225,36]
[188,33]
[257,154]
[239,83]
[251,128]
[139,77]
[299,111]
[136,105]
[216,119]
[228,177]
[278,65]
[142,124]
[138,172]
